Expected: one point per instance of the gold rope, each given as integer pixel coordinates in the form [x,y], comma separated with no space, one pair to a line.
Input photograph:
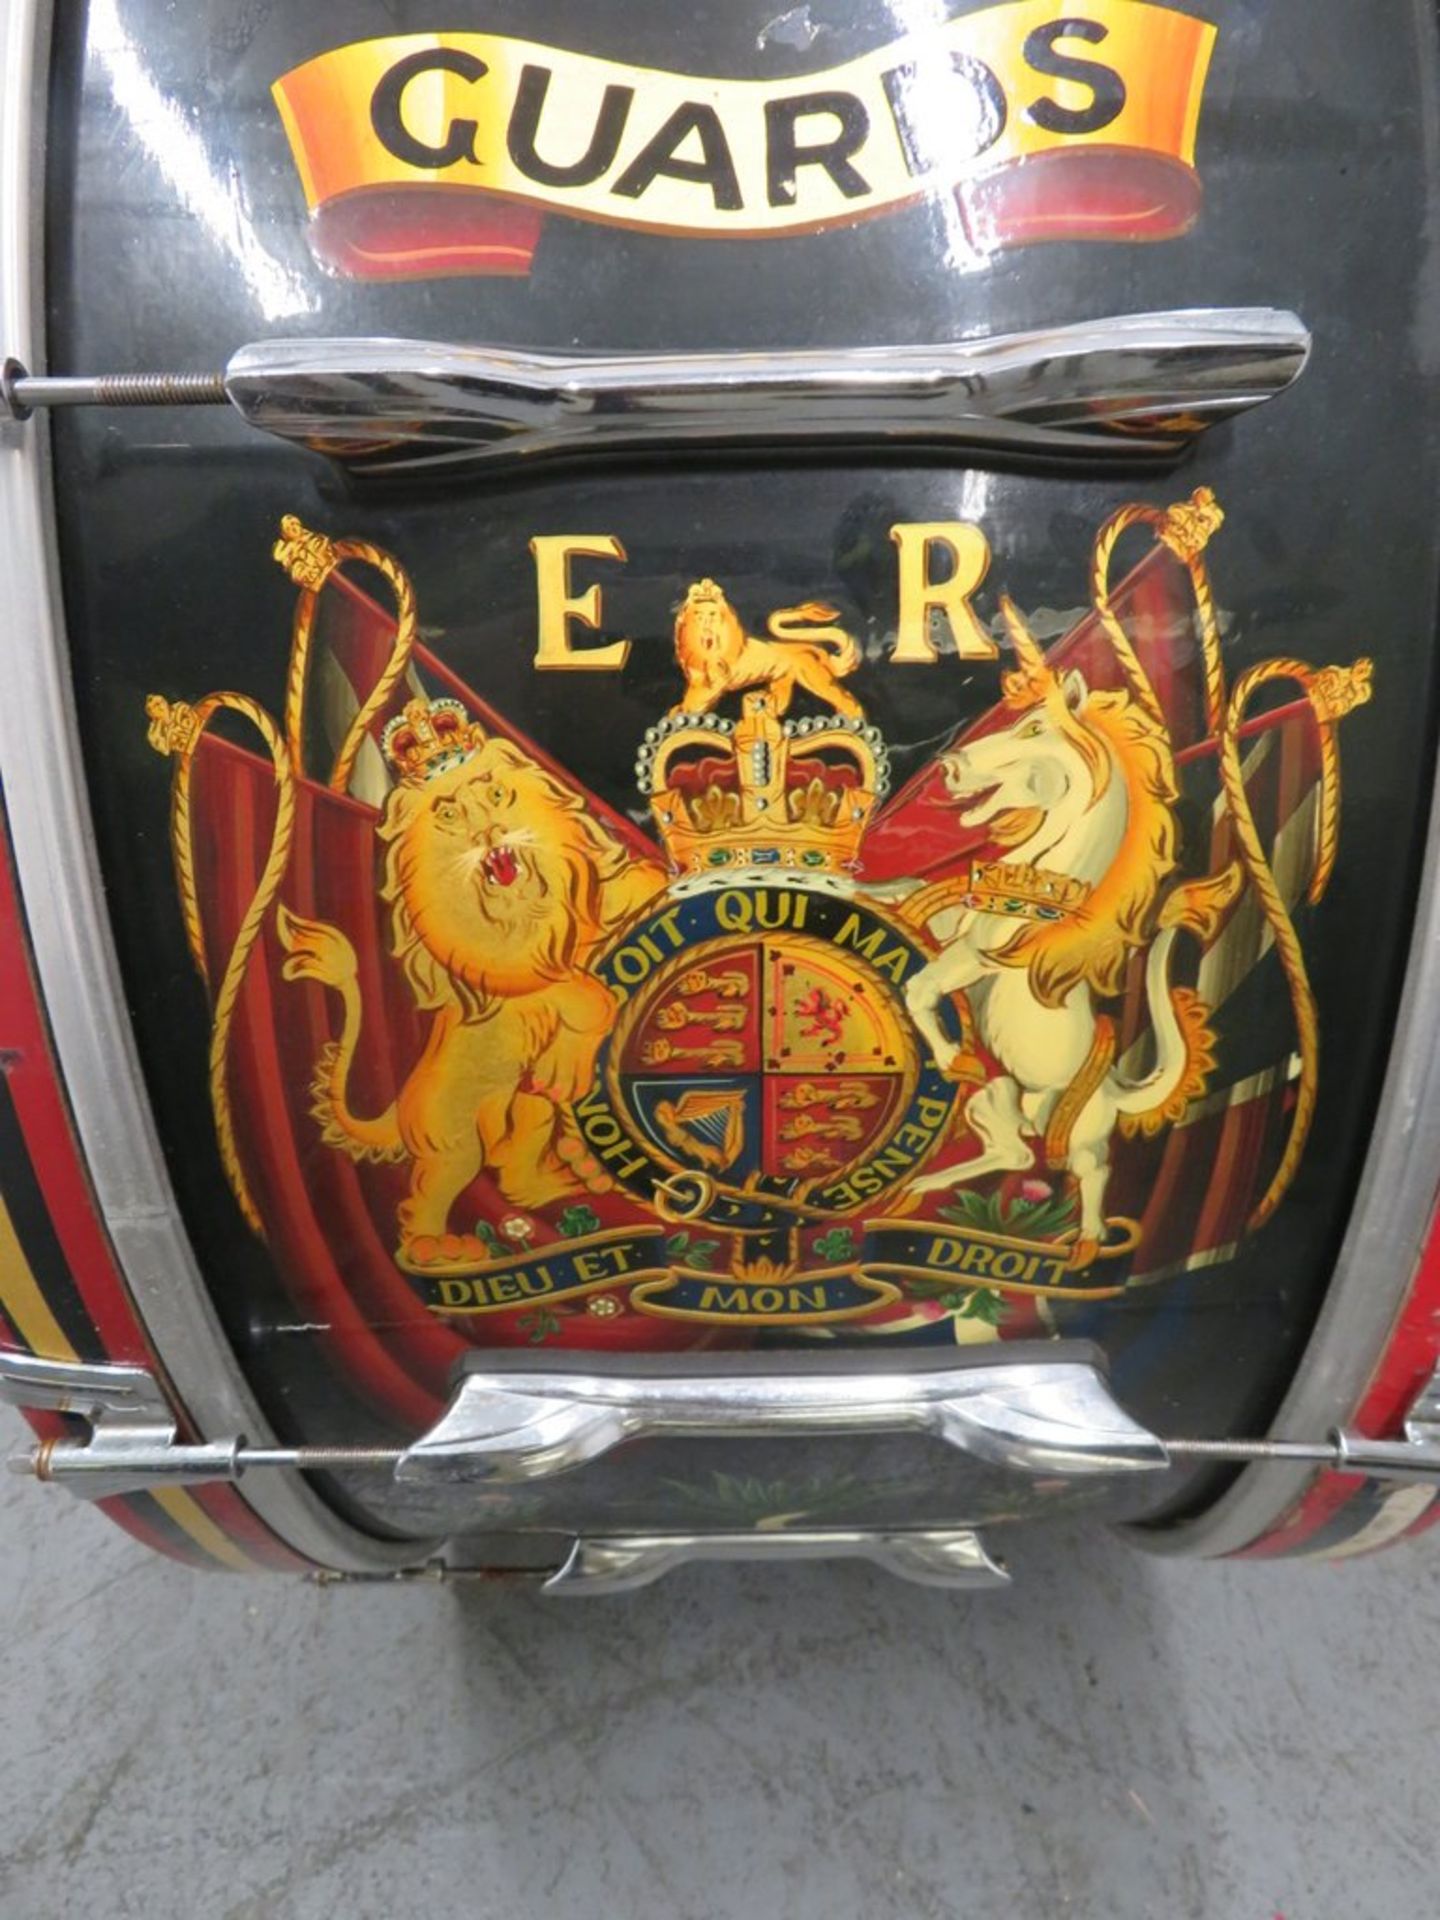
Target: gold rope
[176,730]
[1185,528]
[1105,543]
[310,558]
[1332,692]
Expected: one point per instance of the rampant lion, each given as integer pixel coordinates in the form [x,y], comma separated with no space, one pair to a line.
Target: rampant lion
[502,888]
[717,656]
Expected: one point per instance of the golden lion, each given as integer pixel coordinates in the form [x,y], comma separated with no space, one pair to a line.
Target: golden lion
[717,656]
[501,889]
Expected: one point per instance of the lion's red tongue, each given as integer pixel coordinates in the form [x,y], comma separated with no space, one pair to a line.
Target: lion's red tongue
[501,866]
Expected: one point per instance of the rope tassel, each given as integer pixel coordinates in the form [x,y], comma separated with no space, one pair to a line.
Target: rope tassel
[1332,692]
[176,730]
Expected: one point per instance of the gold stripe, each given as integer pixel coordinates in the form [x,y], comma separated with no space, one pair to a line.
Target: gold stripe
[22,1299]
[191,1518]
[25,1307]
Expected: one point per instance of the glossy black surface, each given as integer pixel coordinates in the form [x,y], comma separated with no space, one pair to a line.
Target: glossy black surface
[176,232]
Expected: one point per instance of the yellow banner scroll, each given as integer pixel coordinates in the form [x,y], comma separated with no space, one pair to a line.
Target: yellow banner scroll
[681,153]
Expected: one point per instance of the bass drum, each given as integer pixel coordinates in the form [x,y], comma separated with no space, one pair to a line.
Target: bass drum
[718,778]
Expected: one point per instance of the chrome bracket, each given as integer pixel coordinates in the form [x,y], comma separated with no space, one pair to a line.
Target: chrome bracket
[1041,1417]
[953,1557]
[1123,389]
[133,1442]
[1416,1457]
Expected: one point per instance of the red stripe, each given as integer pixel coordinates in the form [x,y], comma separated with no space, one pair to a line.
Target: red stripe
[1406,1364]
[44,1118]
[125,1513]
[1330,1493]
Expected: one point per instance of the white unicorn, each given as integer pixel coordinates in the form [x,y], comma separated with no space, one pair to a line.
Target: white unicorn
[1079,787]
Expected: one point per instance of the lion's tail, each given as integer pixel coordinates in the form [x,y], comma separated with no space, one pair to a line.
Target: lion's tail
[799,623]
[317,951]
[356,1137]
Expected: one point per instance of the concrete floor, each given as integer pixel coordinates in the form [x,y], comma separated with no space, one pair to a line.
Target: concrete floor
[1116,1738]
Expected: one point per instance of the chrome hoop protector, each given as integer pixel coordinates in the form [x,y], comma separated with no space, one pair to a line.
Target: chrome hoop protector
[55,857]
[1039,1417]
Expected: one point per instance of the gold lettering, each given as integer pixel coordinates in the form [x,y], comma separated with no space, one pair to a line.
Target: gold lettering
[890,1162]
[631,965]
[895,960]
[722,1300]
[736,912]
[557,606]
[666,923]
[772,910]
[849,936]
[922,595]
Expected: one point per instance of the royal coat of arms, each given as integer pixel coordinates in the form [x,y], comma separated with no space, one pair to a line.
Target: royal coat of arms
[784,1049]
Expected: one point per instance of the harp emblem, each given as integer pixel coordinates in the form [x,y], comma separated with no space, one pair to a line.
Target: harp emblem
[706,1124]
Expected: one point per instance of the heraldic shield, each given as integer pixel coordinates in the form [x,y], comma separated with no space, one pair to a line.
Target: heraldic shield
[800,1057]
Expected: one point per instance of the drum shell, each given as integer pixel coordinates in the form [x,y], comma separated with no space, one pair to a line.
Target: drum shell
[168,589]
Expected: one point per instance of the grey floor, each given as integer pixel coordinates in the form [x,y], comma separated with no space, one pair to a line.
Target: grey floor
[1116,1737]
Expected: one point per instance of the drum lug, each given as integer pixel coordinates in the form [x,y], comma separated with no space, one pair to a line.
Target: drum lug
[1416,1457]
[133,1438]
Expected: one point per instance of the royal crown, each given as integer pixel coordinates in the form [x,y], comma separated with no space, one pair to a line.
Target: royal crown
[427,737]
[762,792]
[1017,890]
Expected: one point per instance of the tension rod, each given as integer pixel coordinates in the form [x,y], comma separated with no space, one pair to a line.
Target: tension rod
[503,1425]
[23,392]
[76,1461]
